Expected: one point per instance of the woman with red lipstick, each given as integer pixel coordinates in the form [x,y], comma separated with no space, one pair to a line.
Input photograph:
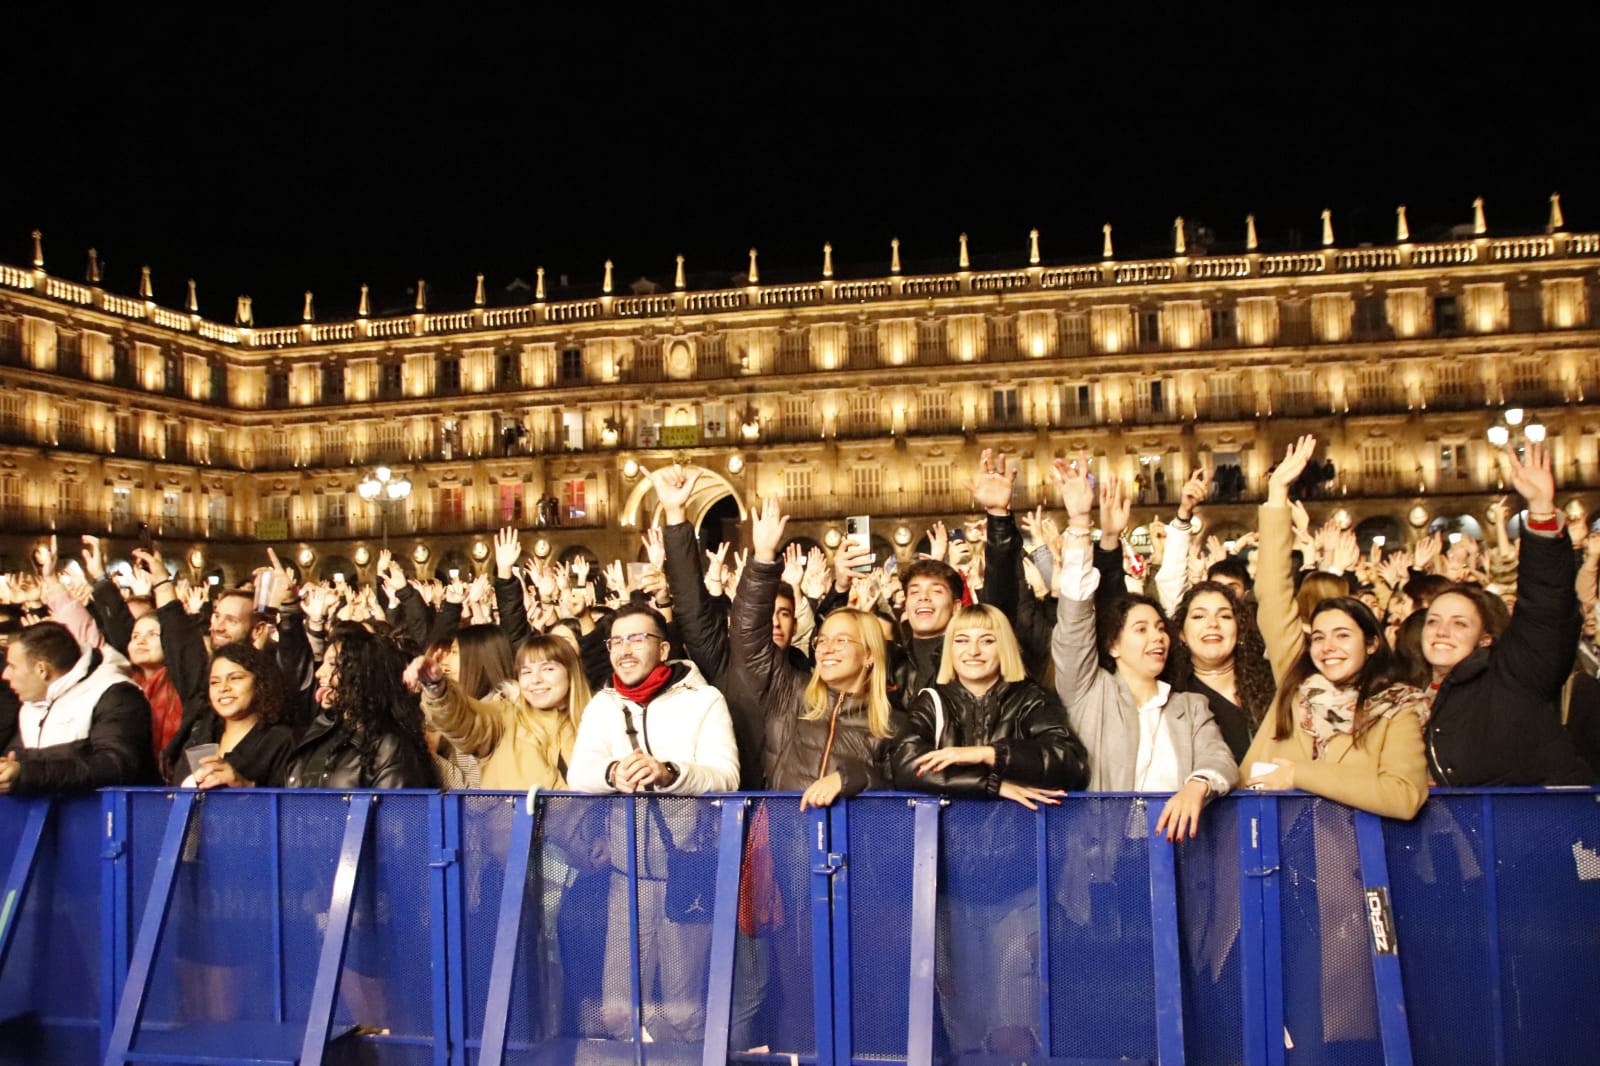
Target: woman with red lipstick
[246,695]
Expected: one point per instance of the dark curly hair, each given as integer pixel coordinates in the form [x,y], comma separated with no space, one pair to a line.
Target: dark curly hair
[267,702]
[1112,616]
[1252,673]
[369,698]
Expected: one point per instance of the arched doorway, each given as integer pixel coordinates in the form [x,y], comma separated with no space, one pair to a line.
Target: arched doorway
[1386,526]
[453,560]
[335,567]
[710,488]
[719,523]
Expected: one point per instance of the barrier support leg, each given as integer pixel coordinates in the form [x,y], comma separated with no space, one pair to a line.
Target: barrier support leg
[507,936]
[724,931]
[16,890]
[924,930]
[1383,940]
[1164,944]
[824,864]
[319,1025]
[116,921]
[444,897]
[130,1006]
[839,858]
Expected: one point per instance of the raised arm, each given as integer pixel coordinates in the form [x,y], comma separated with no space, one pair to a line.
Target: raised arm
[1277,615]
[1072,643]
[1172,579]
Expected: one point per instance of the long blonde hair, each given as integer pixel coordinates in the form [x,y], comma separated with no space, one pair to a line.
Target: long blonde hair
[542,648]
[870,634]
[991,619]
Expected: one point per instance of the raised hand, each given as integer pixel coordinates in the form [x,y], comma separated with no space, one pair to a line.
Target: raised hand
[315,601]
[282,578]
[1294,464]
[1077,490]
[716,568]
[1427,551]
[385,560]
[455,592]
[507,550]
[1195,491]
[616,578]
[673,489]
[766,529]
[794,565]
[1344,552]
[938,542]
[1115,509]
[1533,479]
[814,583]
[655,547]
[992,485]
[45,556]
[580,570]
[94,558]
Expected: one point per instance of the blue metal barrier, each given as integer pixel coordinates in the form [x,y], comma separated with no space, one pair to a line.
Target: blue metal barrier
[456,930]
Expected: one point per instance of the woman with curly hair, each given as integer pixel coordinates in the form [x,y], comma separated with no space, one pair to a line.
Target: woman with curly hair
[369,731]
[1219,654]
[243,721]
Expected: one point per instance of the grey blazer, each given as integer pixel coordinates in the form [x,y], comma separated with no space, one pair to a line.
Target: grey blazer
[1104,714]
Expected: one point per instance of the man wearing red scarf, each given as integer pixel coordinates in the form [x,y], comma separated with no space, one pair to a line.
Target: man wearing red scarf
[658,727]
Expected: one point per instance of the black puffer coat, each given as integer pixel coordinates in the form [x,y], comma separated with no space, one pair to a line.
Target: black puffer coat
[794,748]
[1024,722]
[1497,717]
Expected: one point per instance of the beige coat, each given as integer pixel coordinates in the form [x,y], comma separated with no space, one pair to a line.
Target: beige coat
[1387,772]
[517,747]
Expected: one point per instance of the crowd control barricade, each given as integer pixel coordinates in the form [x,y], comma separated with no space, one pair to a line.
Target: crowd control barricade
[469,929]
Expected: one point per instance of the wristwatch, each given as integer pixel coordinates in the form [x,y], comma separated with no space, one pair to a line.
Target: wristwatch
[673,773]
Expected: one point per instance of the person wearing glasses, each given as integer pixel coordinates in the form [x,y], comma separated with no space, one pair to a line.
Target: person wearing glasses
[827,727]
[657,727]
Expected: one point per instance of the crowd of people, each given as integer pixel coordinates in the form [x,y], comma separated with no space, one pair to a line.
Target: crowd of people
[1036,657]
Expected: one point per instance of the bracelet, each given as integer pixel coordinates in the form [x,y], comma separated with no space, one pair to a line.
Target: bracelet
[611,774]
[158,584]
[1185,524]
[1073,532]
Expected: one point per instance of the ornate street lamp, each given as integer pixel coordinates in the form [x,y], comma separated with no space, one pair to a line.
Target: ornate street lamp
[386,490]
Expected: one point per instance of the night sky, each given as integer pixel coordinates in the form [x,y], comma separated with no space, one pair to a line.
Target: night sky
[276,153]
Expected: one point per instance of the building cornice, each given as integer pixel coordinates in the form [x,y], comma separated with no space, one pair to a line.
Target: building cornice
[896,295]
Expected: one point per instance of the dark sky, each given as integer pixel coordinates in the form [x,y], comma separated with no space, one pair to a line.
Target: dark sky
[274,153]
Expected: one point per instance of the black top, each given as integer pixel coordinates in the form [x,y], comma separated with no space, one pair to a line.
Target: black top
[260,757]
[1232,719]
[328,757]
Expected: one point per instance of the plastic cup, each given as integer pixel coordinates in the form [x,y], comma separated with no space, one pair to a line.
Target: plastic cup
[198,752]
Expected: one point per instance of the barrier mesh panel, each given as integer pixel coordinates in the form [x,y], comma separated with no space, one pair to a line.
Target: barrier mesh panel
[558,990]
[387,979]
[879,872]
[54,964]
[1208,919]
[987,971]
[1102,977]
[1548,879]
[1439,889]
[1329,1005]
[677,854]
[772,994]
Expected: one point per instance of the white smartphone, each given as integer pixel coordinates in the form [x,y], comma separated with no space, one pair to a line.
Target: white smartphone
[858,534]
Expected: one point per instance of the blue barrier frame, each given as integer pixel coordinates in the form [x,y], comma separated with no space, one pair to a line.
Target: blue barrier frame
[1391,996]
[1164,940]
[129,943]
[21,873]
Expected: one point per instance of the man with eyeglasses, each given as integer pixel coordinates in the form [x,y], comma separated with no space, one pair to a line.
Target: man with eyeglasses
[657,727]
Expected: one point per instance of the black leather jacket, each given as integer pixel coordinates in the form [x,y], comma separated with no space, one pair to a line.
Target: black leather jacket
[327,757]
[1024,722]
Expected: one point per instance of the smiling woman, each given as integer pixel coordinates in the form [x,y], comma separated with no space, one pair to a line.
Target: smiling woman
[240,743]
[1141,735]
[825,729]
[1341,727]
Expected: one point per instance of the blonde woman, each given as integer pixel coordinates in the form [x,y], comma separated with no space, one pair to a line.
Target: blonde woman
[826,731]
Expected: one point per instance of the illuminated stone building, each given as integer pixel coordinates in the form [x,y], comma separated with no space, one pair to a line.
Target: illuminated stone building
[869,395]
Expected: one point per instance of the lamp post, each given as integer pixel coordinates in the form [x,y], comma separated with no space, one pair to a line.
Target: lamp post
[386,490]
